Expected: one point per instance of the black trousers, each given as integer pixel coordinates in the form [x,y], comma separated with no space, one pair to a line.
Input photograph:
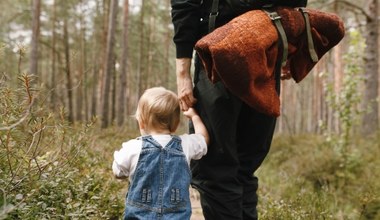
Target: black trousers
[240,140]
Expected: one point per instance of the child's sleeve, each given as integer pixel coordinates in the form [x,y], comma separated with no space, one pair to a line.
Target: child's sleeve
[194,146]
[122,160]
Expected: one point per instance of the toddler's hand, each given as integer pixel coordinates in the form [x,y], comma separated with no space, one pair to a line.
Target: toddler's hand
[190,113]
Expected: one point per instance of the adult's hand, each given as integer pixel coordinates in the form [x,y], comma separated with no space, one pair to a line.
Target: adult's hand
[184,83]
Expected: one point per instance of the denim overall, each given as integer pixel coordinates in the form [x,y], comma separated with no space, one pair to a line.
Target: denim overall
[160,187]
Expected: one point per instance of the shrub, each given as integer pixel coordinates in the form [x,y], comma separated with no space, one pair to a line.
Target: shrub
[48,170]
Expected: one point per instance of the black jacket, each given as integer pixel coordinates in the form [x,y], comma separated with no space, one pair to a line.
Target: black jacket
[190,20]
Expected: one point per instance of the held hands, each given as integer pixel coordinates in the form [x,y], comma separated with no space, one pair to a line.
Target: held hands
[184,83]
[185,93]
[199,127]
[190,113]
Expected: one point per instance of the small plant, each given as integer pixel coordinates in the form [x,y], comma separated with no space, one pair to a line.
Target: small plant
[345,104]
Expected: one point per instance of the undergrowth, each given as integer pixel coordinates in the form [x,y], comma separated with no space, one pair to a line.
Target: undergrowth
[49,169]
[301,179]
[53,170]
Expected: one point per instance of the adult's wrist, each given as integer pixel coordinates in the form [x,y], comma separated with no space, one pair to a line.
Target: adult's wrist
[183,66]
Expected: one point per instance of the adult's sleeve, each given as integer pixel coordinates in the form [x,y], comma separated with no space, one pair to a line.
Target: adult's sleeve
[293,3]
[186,15]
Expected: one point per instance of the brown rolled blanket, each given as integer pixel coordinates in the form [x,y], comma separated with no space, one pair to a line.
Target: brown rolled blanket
[243,53]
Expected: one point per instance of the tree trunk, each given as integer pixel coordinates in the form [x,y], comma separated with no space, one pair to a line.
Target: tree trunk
[81,69]
[36,11]
[338,76]
[53,62]
[370,119]
[140,72]
[113,91]
[151,78]
[84,70]
[168,42]
[318,97]
[109,62]
[98,57]
[94,97]
[123,98]
[68,73]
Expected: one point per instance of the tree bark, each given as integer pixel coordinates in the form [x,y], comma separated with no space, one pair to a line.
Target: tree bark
[123,98]
[109,62]
[36,11]
[68,73]
[167,47]
[141,63]
[94,96]
[149,77]
[370,120]
[98,56]
[53,62]
[113,91]
[81,70]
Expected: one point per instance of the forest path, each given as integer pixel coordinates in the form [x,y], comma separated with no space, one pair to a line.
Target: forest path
[195,205]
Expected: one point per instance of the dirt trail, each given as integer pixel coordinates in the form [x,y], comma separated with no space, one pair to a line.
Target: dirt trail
[195,205]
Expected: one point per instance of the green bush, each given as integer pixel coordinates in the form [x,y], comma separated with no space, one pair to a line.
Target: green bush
[48,169]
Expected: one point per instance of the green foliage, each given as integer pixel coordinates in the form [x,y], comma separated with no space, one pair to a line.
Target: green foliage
[345,104]
[47,168]
[52,170]
[299,180]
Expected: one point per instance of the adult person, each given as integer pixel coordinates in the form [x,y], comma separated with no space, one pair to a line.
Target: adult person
[240,137]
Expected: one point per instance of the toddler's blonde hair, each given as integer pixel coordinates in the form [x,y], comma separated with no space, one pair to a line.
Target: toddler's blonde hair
[158,108]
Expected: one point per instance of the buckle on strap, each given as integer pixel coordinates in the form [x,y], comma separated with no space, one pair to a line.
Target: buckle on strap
[214,14]
[273,15]
[276,18]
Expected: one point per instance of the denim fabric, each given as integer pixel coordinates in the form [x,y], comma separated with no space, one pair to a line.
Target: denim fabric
[160,186]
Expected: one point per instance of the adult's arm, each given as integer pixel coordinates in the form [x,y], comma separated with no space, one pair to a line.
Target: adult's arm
[184,83]
[186,16]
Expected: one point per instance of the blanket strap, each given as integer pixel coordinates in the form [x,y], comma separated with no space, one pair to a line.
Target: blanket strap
[213,14]
[273,15]
[313,54]
[281,32]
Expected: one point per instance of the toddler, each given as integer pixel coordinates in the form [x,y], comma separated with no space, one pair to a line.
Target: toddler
[157,162]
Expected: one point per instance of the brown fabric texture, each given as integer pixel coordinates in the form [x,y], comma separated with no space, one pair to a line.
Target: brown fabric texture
[243,53]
